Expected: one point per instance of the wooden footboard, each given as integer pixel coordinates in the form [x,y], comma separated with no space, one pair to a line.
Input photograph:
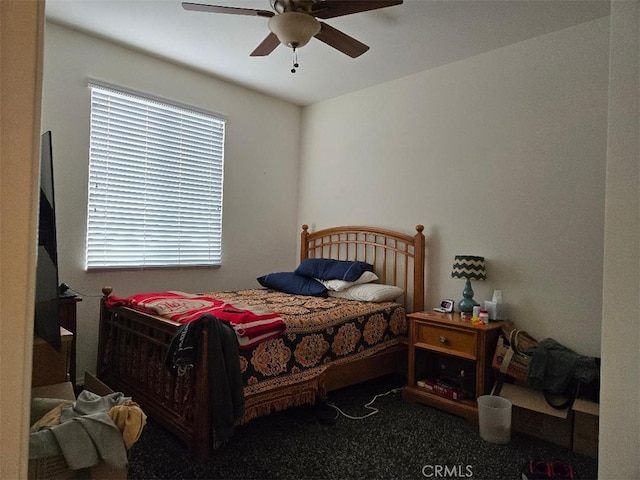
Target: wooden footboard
[131,351]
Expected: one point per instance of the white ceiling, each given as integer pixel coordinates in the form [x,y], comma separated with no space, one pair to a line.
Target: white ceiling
[404,39]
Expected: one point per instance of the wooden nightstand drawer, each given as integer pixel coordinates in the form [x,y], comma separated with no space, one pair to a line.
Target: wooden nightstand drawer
[457,342]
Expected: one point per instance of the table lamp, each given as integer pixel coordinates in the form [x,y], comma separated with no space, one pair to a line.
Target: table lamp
[471,268]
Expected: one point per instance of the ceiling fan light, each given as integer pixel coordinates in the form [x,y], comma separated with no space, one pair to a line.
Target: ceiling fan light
[294,29]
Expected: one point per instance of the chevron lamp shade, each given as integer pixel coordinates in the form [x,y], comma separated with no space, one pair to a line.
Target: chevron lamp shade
[468,266]
[471,268]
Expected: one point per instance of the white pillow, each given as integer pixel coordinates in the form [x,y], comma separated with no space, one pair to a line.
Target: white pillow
[369,292]
[339,285]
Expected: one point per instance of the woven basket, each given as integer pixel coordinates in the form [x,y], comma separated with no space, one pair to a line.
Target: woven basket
[54,468]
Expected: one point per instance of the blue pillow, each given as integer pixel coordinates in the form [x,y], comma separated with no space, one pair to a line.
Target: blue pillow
[330,269]
[289,282]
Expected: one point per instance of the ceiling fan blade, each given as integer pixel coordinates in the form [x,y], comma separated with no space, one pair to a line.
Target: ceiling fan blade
[200,7]
[341,41]
[338,8]
[267,46]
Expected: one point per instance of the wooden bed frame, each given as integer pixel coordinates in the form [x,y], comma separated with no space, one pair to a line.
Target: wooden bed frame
[182,404]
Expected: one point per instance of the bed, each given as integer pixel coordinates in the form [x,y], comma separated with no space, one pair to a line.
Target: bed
[329,342]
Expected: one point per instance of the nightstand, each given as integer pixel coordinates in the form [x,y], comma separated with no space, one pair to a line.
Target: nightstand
[67,319]
[442,343]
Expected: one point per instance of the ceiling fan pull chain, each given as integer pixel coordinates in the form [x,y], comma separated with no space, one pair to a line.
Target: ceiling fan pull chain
[295,60]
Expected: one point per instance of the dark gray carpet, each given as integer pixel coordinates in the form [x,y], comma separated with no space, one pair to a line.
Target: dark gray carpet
[401,441]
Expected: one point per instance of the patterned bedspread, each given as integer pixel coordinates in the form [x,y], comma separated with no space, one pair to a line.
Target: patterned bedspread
[320,332]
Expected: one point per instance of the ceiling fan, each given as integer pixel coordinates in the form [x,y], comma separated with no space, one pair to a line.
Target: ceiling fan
[294,22]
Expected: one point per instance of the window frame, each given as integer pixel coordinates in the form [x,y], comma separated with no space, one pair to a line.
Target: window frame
[145,139]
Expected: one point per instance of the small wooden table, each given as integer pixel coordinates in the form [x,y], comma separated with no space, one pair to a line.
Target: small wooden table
[67,318]
[440,337]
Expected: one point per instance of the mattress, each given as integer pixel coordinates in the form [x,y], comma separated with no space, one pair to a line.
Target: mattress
[320,331]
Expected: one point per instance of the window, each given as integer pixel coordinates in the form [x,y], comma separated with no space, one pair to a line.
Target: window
[155,183]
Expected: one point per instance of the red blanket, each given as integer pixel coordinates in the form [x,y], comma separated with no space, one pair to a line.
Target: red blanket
[252,324]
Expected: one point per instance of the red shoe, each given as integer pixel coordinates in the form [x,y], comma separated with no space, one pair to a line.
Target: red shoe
[561,470]
[535,470]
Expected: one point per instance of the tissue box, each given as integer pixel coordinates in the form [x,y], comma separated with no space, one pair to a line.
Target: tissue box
[497,311]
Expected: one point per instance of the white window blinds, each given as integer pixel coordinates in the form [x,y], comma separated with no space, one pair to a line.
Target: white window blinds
[155,183]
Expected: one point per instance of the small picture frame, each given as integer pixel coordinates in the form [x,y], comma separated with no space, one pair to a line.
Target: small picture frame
[446,306]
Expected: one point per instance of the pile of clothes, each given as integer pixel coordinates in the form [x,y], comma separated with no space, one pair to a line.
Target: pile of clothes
[87,431]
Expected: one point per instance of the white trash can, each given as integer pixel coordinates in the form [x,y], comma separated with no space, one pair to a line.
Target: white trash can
[494,418]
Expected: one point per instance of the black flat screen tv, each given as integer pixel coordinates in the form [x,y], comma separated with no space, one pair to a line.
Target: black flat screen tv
[47,324]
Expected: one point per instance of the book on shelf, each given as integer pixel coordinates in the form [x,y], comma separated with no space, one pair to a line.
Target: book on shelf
[441,389]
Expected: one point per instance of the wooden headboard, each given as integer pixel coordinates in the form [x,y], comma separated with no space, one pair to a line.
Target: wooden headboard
[397,258]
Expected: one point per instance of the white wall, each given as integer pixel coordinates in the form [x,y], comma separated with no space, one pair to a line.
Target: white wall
[620,408]
[500,155]
[261,171]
